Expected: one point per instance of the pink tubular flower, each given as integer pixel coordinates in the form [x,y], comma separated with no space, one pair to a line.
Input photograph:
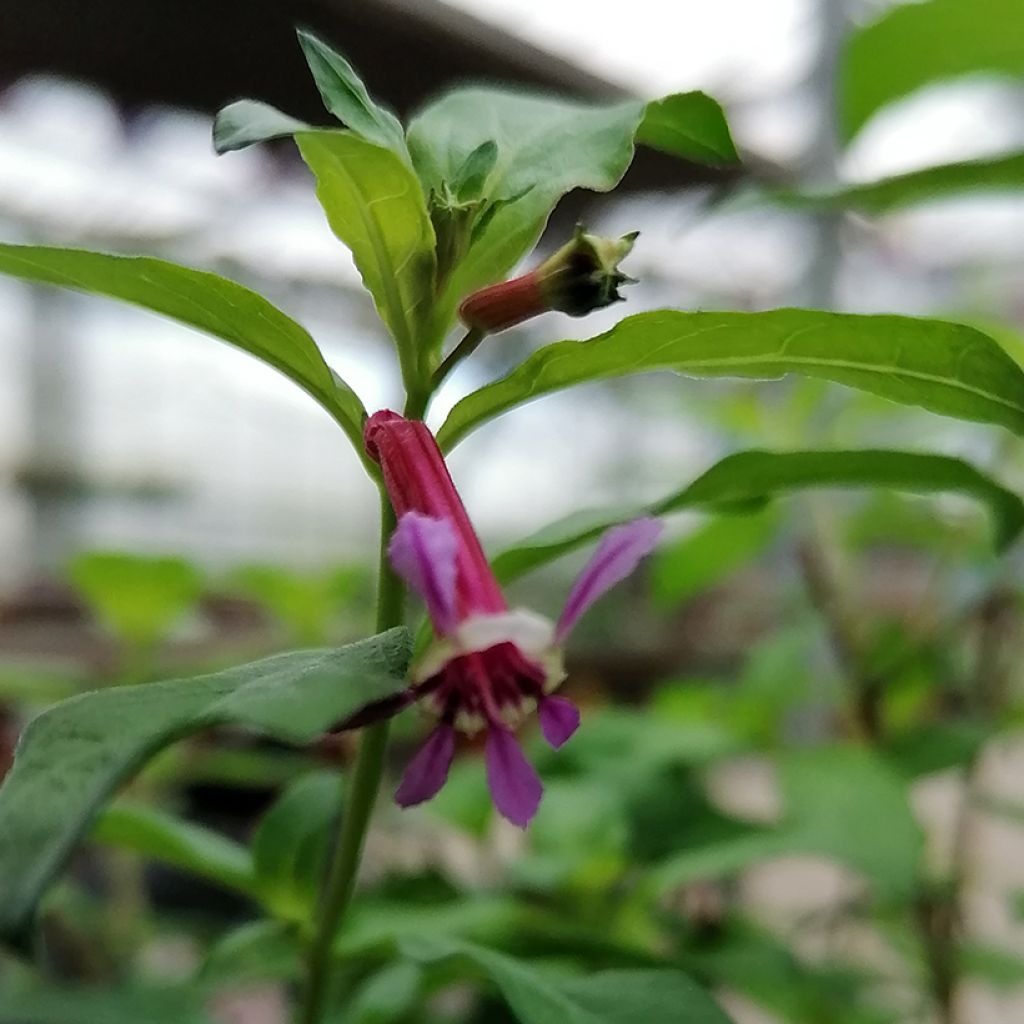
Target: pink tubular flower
[488,666]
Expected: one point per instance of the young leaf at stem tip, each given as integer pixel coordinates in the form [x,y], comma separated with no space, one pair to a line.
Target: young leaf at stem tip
[545,148]
[347,98]
[247,122]
[374,204]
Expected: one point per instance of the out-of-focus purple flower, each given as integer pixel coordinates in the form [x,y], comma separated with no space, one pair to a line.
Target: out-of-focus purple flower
[489,666]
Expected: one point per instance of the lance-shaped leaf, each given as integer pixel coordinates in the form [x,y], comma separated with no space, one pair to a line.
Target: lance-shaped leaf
[246,122]
[73,757]
[664,996]
[994,174]
[202,300]
[347,98]
[545,148]
[182,844]
[913,45]
[833,798]
[290,845]
[753,477]
[944,367]
[375,205]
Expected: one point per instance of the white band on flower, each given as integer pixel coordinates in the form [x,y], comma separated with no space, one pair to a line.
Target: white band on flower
[532,634]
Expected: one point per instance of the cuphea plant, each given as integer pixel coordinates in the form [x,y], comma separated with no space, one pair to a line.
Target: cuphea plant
[437,214]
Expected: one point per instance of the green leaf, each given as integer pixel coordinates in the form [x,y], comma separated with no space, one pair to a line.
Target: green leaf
[388,996]
[202,300]
[375,205]
[73,757]
[291,842]
[837,798]
[346,97]
[475,170]
[936,747]
[890,519]
[717,859]
[580,819]
[755,476]
[377,926]
[834,799]
[749,478]
[711,553]
[99,1006]
[554,145]
[465,801]
[626,747]
[545,148]
[242,768]
[260,950]
[913,45]
[688,125]
[1000,968]
[181,844]
[669,812]
[755,963]
[246,122]
[304,602]
[546,144]
[606,997]
[138,597]
[993,174]
[944,367]
[1010,338]
[658,996]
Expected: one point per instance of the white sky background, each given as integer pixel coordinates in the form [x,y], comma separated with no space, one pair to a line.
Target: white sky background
[736,48]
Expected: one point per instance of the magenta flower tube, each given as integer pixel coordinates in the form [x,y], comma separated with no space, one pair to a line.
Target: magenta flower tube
[489,667]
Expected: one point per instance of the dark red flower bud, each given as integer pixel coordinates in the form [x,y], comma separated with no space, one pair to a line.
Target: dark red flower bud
[580,277]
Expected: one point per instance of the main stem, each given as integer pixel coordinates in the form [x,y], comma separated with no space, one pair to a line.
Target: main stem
[339,882]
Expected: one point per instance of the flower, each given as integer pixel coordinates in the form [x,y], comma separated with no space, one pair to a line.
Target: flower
[580,277]
[489,666]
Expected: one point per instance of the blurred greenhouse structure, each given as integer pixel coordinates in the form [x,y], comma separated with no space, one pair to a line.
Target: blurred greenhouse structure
[123,432]
[128,432]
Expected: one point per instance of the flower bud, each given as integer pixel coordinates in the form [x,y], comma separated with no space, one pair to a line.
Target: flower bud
[580,277]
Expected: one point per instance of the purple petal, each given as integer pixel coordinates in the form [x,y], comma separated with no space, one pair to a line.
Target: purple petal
[559,719]
[617,555]
[514,785]
[426,772]
[423,552]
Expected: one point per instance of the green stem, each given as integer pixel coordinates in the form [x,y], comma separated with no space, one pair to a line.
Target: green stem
[466,347]
[339,883]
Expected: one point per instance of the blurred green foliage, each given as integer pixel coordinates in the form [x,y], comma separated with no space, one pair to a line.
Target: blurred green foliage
[140,599]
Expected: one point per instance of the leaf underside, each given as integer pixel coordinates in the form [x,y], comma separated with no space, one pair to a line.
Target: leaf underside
[747,479]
